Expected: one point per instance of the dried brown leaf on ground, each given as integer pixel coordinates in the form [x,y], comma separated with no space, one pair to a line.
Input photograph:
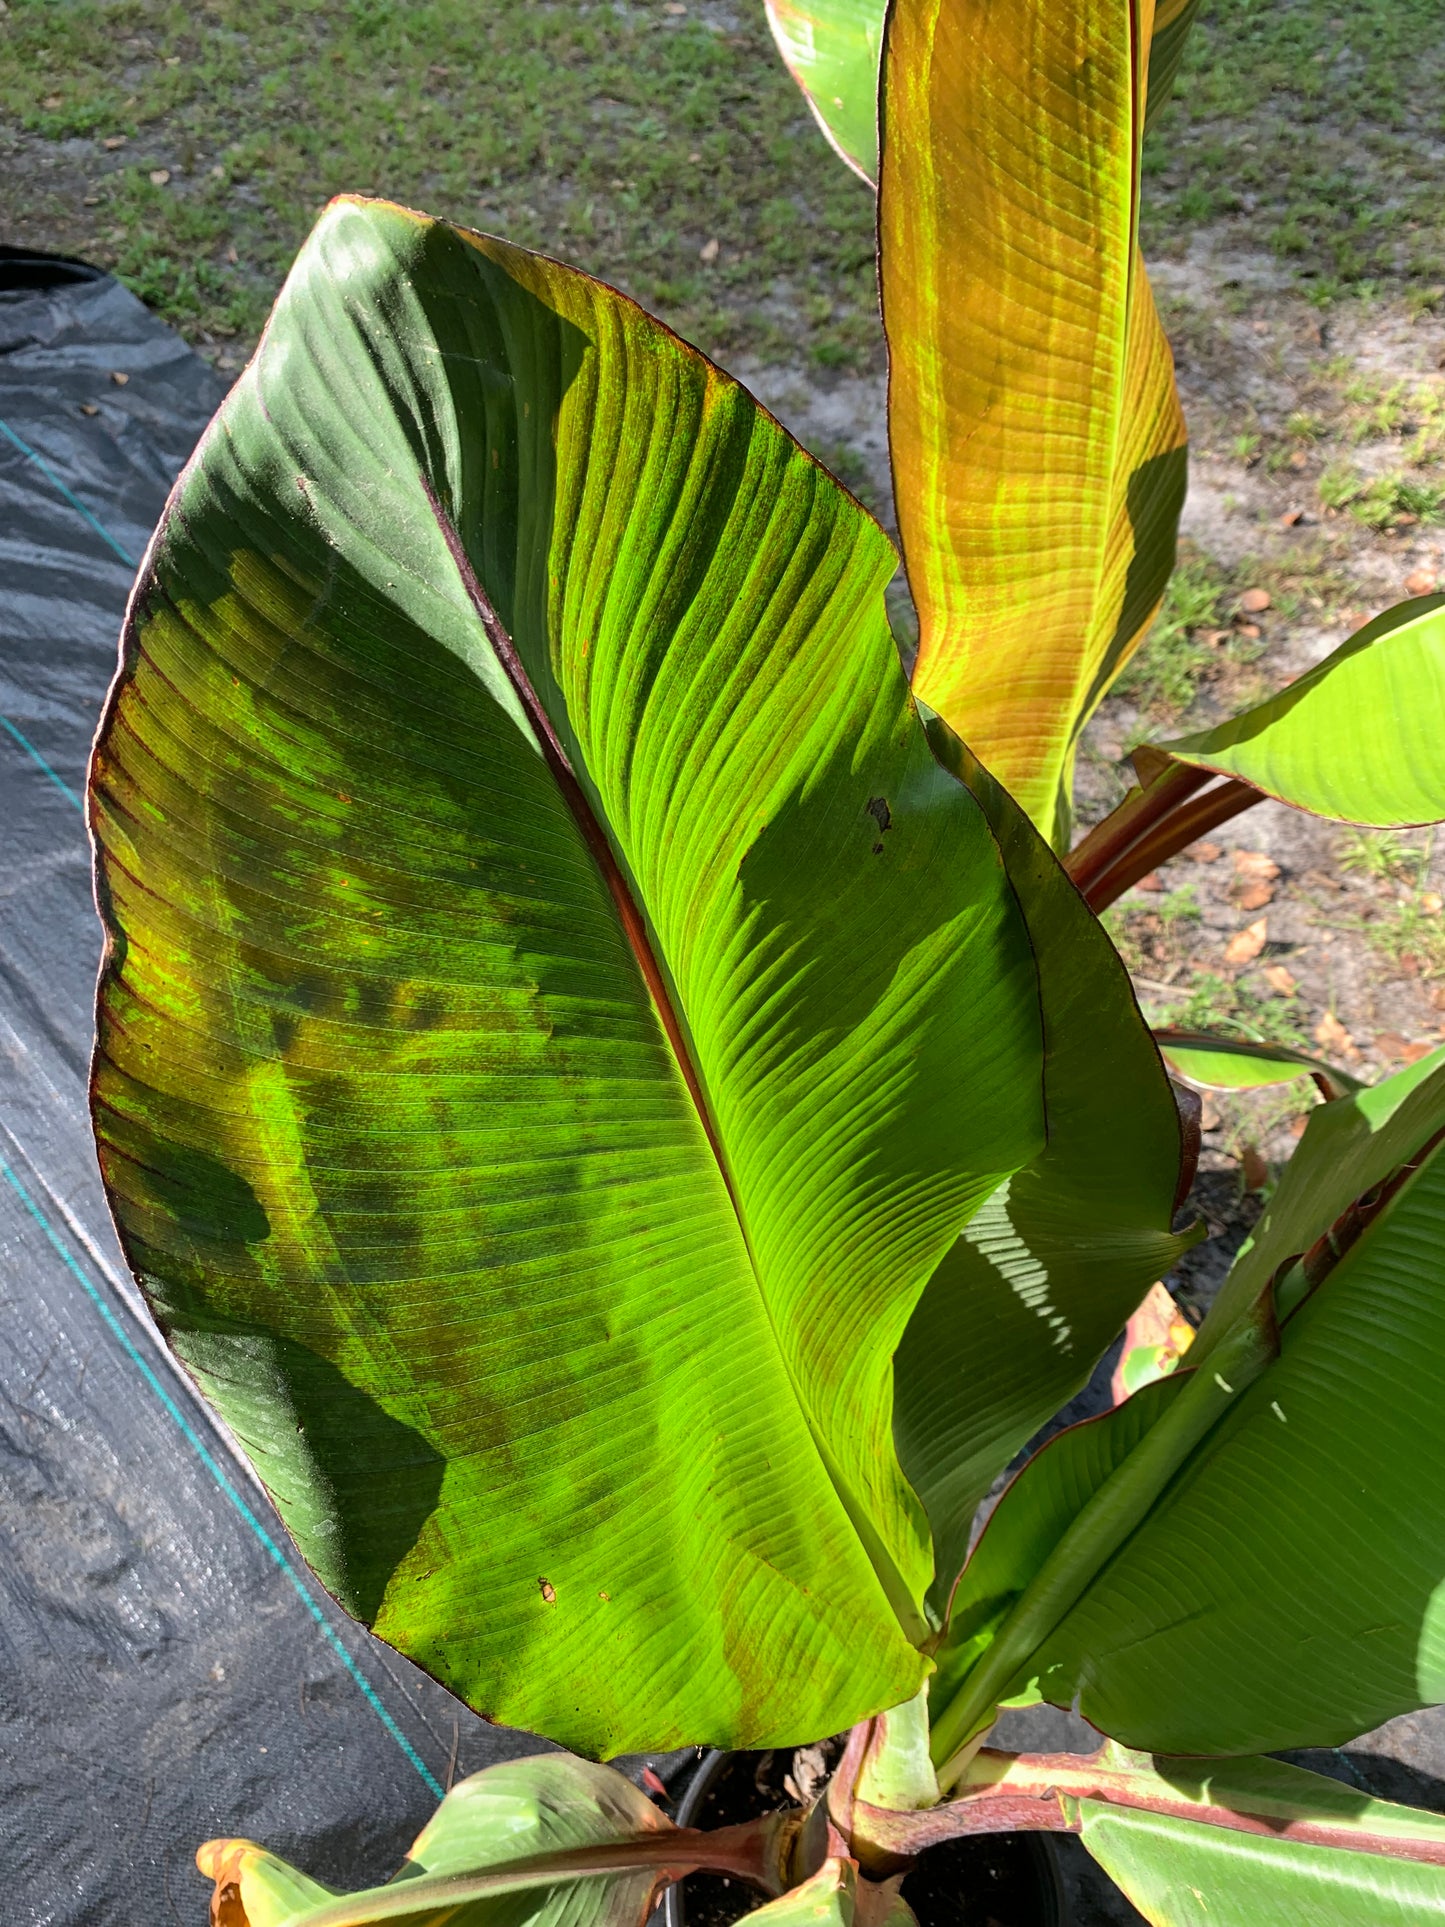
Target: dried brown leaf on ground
[1331,1035]
[1245,945]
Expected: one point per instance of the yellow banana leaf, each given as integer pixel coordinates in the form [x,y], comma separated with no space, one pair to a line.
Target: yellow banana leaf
[1038,443]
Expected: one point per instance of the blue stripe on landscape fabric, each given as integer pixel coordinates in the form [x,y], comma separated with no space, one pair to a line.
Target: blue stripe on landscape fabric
[34,754]
[74,500]
[198,1446]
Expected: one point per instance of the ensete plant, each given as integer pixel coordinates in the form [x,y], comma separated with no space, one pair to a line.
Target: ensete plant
[634,1126]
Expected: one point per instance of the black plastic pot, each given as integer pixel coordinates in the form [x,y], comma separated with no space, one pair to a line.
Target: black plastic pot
[1010,1879]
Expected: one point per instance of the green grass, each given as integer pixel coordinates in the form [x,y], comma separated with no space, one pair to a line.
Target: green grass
[1383,501]
[1163,673]
[1310,128]
[622,138]
[1190,642]
[1233,1007]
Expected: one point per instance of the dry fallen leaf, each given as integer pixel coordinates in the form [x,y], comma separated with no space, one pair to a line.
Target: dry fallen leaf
[1254,602]
[1281,978]
[1331,1035]
[1250,631]
[1421,582]
[159,176]
[113,141]
[1254,866]
[1298,459]
[1205,852]
[1431,902]
[1291,518]
[52,103]
[1245,945]
[1254,896]
[1151,882]
[1389,1043]
[232,256]
[1414,1052]
[1299,1125]
[1253,1168]
[673,8]
[708,252]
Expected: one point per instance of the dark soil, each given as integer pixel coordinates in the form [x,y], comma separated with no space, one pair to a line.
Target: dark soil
[1000,1880]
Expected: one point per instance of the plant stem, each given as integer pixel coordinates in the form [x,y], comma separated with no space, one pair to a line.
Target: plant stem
[746,1852]
[1151,825]
[1099,1530]
[1044,1792]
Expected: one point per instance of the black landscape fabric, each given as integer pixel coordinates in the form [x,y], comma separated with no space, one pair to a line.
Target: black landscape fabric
[168,1670]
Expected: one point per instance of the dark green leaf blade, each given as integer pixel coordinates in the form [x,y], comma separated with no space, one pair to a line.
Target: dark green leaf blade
[1034,1512]
[576,1390]
[1288,1590]
[1049,1270]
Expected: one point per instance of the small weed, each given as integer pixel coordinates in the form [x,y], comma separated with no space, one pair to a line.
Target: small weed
[1383,856]
[1409,935]
[1245,449]
[1383,501]
[1163,673]
[1234,1007]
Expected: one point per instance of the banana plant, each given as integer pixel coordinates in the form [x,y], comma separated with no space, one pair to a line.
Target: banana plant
[628,1118]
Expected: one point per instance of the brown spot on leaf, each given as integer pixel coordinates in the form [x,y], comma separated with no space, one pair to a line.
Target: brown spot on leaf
[549,1591]
[878,809]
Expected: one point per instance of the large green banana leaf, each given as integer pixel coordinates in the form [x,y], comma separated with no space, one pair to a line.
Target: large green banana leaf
[476,1862]
[1038,445]
[558,1012]
[1357,737]
[1289,1590]
[833,49]
[1049,1270]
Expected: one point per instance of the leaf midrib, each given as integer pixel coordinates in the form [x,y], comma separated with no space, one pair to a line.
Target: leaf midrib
[891,1581]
